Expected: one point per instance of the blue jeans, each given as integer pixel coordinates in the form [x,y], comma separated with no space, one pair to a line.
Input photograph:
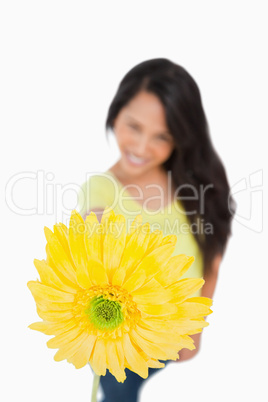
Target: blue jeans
[128,391]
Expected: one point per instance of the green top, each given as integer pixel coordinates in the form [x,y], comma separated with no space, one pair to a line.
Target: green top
[104,189]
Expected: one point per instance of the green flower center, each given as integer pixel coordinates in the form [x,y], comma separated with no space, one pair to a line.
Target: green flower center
[104,313]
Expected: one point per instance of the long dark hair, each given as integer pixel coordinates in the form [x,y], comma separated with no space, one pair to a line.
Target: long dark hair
[194,163]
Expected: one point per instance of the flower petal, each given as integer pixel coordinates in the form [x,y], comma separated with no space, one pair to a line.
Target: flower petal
[181,326]
[170,239]
[151,362]
[96,272]
[81,357]
[114,363]
[152,263]
[98,360]
[155,240]
[158,337]
[47,305]
[55,316]
[49,293]
[52,328]
[107,216]
[193,310]
[137,222]
[60,259]
[62,233]
[191,327]
[83,278]
[174,269]
[184,288]
[135,281]
[152,350]
[77,239]
[134,359]
[92,236]
[49,277]
[187,342]
[135,248]
[151,293]
[119,276]
[113,244]
[64,339]
[203,300]
[159,309]
[120,352]
[69,349]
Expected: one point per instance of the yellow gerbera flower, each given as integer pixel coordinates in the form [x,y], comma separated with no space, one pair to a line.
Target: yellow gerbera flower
[115,299]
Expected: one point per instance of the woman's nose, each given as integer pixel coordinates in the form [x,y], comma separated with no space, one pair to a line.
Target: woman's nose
[142,146]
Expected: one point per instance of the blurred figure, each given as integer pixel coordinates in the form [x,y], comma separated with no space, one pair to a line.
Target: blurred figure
[170,173]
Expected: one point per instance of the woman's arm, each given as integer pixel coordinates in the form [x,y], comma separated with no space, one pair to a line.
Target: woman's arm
[207,291]
[211,278]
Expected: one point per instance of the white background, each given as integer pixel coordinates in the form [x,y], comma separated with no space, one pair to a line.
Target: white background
[61,63]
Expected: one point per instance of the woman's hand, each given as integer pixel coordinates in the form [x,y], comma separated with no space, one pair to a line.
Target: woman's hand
[186,354]
[97,211]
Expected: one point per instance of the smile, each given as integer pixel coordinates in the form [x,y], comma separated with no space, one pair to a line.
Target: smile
[135,160]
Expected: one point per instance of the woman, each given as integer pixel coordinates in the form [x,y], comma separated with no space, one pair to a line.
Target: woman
[170,170]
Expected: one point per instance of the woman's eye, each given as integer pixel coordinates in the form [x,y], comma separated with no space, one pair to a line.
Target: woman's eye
[133,126]
[163,138]
[160,137]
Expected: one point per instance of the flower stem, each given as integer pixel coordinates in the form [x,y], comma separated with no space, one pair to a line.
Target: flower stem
[95,386]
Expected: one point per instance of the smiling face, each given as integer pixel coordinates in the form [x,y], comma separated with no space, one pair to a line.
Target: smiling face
[142,135]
